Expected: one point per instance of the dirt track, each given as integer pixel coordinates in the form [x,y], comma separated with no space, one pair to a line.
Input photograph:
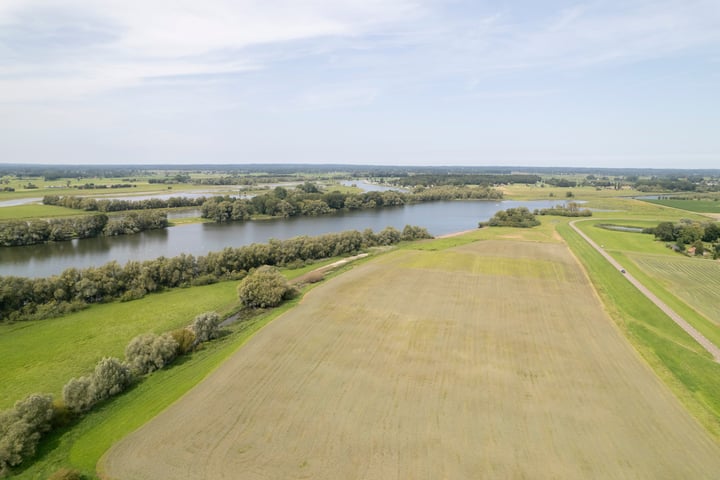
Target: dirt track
[490,360]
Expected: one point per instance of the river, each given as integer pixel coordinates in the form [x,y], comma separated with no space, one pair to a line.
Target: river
[198,239]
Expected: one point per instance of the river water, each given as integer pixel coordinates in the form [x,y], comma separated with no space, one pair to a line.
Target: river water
[198,239]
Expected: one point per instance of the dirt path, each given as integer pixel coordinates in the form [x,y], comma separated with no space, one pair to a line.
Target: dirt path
[682,323]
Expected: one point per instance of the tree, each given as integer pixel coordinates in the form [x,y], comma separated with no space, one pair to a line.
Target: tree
[37,410]
[185,339]
[78,395]
[17,440]
[206,326]
[21,428]
[264,287]
[110,378]
[149,352]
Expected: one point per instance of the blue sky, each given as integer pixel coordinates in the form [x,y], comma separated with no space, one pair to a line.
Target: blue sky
[595,84]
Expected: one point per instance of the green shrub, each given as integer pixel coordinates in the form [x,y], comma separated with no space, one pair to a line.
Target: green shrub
[206,326]
[265,287]
[185,339]
[149,352]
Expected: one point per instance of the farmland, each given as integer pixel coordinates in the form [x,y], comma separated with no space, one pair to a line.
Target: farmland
[452,363]
[695,281]
[706,205]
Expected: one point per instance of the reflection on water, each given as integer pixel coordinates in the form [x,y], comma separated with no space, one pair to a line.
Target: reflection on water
[438,217]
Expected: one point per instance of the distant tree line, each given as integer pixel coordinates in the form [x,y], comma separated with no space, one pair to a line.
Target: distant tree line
[428,180]
[35,298]
[688,233]
[571,209]
[32,232]
[307,200]
[519,217]
[114,205]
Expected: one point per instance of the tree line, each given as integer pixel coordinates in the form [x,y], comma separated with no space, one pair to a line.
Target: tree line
[32,232]
[307,200]
[688,233]
[35,298]
[427,180]
[570,209]
[89,204]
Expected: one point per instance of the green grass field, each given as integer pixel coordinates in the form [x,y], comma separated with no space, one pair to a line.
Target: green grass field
[699,206]
[41,356]
[696,281]
[81,445]
[36,211]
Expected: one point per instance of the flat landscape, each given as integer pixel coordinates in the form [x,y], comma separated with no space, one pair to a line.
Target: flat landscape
[489,359]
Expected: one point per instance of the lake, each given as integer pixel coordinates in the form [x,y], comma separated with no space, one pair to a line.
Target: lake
[198,239]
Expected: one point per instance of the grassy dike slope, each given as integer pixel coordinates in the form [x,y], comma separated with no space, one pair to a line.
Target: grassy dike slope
[488,359]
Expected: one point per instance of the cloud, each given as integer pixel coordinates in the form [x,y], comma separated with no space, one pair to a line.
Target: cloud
[82,47]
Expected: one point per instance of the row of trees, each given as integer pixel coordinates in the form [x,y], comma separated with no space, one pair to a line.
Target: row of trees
[466,179]
[32,298]
[519,217]
[308,201]
[90,204]
[22,427]
[20,232]
[570,209]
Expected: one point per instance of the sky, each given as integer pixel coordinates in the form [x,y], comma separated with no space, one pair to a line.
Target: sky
[629,83]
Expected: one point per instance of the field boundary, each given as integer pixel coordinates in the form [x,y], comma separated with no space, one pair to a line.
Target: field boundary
[710,347]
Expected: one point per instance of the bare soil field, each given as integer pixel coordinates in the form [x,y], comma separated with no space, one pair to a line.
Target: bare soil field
[493,359]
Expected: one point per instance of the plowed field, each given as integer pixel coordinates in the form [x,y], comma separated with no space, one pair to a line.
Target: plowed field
[490,360]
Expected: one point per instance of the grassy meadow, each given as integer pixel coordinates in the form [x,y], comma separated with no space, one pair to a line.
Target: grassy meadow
[42,355]
[699,206]
[445,363]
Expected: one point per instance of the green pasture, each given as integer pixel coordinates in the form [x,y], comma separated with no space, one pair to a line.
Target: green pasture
[36,210]
[689,286]
[81,445]
[682,363]
[699,206]
[42,355]
[694,280]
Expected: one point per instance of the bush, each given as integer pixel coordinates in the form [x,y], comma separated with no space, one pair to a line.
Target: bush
[519,217]
[110,378]
[411,232]
[185,339]
[21,428]
[206,326]
[78,395]
[265,287]
[149,352]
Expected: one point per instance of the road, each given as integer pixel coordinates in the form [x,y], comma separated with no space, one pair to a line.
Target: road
[682,323]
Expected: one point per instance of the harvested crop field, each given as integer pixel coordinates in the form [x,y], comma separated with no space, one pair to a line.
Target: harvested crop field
[489,360]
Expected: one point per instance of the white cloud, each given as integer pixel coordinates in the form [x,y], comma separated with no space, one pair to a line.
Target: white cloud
[129,41]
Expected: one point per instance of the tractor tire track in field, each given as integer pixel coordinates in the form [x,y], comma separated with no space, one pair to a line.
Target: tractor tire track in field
[710,347]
